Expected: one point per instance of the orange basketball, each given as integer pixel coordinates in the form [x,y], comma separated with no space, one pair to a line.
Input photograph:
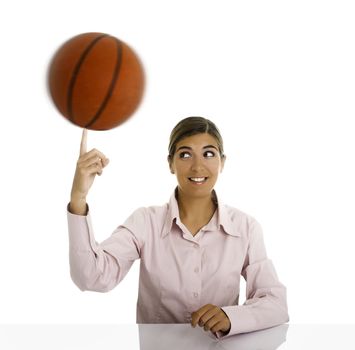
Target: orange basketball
[96,81]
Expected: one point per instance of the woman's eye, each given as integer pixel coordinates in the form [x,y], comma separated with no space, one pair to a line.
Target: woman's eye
[184,155]
[209,154]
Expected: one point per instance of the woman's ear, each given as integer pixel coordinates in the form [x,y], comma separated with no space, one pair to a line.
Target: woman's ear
[170,165]
[222,162]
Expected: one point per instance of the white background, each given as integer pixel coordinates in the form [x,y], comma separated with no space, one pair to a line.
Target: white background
[277,77]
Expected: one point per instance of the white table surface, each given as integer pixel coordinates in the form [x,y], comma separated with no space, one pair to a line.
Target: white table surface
[172,337]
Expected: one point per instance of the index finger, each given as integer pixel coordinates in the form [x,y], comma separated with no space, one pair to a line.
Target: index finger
[195,317]
[83,143]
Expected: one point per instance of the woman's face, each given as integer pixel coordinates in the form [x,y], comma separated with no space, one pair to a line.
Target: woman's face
[197,164]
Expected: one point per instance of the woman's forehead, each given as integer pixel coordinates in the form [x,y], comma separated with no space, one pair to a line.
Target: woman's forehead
[197,141]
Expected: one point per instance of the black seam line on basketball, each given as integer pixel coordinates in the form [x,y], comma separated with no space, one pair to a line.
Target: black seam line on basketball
[112,85]
[75,75]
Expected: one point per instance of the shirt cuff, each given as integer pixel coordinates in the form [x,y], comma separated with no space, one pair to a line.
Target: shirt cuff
[86,212]
[241,320]
[81,237]
[220,334]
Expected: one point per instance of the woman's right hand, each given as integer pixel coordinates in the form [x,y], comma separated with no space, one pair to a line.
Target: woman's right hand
[88,165]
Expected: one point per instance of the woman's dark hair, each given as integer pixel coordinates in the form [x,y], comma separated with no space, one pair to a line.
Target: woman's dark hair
[192,126]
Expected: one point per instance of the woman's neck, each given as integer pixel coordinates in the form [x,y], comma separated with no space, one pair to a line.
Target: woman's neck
[195,209]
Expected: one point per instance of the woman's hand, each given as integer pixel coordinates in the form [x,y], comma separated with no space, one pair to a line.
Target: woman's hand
[88,165]
[211,317]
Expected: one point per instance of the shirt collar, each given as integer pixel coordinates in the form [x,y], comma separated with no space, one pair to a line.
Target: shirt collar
[223,217]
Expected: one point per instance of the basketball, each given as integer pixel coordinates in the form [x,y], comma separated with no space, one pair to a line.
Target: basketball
[96,81]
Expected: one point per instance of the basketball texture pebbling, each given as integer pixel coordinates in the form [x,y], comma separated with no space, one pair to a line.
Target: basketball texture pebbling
[96,81]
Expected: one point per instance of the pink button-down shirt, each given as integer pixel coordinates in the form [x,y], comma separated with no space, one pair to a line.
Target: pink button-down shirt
[179,272]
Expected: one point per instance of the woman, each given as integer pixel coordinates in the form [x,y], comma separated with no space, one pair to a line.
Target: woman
[193,249]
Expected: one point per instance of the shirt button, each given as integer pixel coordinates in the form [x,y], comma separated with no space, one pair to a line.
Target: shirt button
[195,295]
[196,270]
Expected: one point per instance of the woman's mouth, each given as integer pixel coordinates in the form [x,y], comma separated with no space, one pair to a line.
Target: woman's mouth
[198,180]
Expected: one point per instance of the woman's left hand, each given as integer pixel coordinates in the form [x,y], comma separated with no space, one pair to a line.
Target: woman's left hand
[211,317]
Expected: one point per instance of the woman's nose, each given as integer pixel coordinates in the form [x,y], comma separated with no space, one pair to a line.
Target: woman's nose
[197,164]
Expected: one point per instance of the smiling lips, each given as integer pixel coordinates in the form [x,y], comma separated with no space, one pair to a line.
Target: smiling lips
[198,180]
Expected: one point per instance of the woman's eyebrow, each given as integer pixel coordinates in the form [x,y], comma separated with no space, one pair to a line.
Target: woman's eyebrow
[182,147]
[210,146]
[187,147]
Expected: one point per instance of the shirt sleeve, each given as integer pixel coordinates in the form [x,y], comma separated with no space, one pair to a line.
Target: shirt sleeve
[266,304]
[100,267]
